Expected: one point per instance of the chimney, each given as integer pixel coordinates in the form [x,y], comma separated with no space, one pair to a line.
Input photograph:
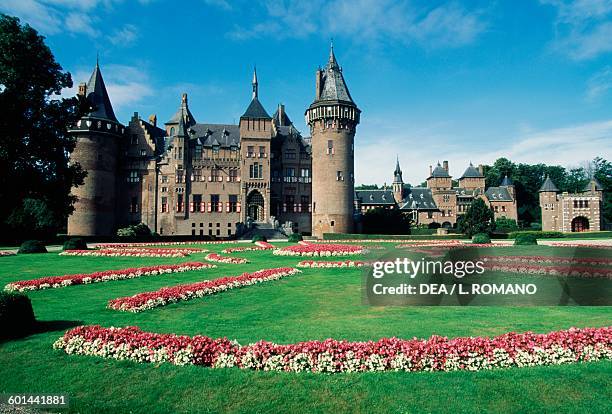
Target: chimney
[481,169]
[82,89]
[430,170]
[318,83]
[281,114]
[445,165]
[153,119]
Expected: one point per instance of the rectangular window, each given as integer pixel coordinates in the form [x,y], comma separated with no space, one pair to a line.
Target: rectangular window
[586,203]
[290,172]
[164,189]
[134,205]
[305,172]
[262,152]
[214,202]
[133,177]
[339,176]
[164,178]
[197,153]
[330,147]
[197,175]
[575,203]
[180,207]
[164,204]
[256,171]
[180,176]
[250,151]
[180,153]
[197,202]
[143,152]
[290,154]
[233,203]
[233,175]
[304,201]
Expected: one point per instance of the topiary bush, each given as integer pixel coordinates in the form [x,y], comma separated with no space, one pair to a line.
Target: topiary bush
[135,231]
[16,315]
[259,238]
[295,237]
[481,238]
[32,246]
[525,239]
[75,244]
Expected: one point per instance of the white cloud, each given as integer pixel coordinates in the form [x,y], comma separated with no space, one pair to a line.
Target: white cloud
[126,36]
[448,25]
[567,146]
[583,27]
[38,15]
[77,22]
[599,84]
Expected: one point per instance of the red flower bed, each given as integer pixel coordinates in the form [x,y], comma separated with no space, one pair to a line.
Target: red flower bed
[585,245]
[133,252]
[159,243]
[559,270]
[167,295]
[328,264]
[104,276]
[311,249]
[329,356]
[549,259]
[214,257]
[5,253]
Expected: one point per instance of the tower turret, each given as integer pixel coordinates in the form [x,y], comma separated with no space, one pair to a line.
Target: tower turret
[333,118]
[97,135]
[398,183]
[549,206]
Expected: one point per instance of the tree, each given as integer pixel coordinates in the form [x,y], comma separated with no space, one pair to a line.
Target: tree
[602,171]
[477,219]
[35,176]
[367,187]
[386,221]
[505,225]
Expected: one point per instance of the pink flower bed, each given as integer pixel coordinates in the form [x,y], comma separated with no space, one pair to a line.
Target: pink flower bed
[214,257]
[332,356]
[362,241]
[104,276]
[310,249]
[578,271]
[131,252]
[549,259]
[159,243]
[446,245]
[342,263]
[167,295]
[5,253]
[585,245]
[257,247]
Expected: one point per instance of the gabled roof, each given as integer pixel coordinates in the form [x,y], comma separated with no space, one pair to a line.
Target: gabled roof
[418,198]
[255,110]
[334,87]
[439,172]
[97,96]
[209,135]
[376,197]
[498,194]
[471,172]
[548,185]
[507,181]
[183,113]
[598,186]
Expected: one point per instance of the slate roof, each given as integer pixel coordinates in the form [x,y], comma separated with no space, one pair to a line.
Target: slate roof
[498,194]
[507,181]
[418,198]
[548,185]
[471,172]
[281,121]
[379,197]
[255,110]
[439,172]
[334,87]
[183,113]
[598,185]
[208,135]
[464,192]
[97,96]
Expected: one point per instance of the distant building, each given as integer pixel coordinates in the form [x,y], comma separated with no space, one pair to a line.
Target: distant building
[440,202]
[205,179]
[571,212]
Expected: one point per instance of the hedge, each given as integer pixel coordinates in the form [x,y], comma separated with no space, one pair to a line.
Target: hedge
[348,236]
[16,315]
[32,246]
[481,238]
[75,244]
[525,239]
[537,234]
[295,237]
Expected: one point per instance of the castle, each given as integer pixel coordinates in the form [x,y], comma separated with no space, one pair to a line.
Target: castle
[440,203]
[201,179]
[574,212]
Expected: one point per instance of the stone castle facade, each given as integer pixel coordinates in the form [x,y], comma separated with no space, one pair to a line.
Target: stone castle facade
[204,179]
[571,212]
[441,202]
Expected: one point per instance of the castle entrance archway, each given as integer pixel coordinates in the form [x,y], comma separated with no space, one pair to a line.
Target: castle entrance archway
[255,206]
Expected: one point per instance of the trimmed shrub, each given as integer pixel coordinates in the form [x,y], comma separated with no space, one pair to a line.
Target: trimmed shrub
[538,234]
[481,238]
[505,225]
[32,246]
[258,238]
[16,315]
[140,231]
[295,237]
[75,244]
[525,239]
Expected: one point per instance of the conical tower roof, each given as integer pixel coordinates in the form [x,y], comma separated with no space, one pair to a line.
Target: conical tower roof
[507,181]
[548,186]
[255,108]
[439,172]
[471,172]
[598,186]
[334,87]
[97,97]
[183,113]
[397,174]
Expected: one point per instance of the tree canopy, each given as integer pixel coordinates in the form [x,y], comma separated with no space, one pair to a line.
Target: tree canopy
[35,175]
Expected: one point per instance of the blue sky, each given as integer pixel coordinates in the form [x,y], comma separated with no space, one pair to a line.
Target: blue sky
[460,81]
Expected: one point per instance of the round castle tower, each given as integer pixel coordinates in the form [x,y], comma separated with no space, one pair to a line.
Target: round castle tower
[97,138]
[333,118]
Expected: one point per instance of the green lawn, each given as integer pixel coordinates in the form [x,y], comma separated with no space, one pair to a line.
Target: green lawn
[317,304]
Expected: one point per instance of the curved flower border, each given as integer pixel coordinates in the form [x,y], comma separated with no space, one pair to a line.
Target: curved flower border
[578,271]
[167,295]
[51,282]
[549,259]
[333,356]
[159,243]
[214,257]
[329,264]
[321,250]
[129,252]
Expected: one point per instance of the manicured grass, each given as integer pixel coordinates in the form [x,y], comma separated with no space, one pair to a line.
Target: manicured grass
[317,304]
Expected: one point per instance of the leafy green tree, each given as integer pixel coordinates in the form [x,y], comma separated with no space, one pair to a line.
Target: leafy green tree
[367,187]
[35,176]
[505,225]
[602,170]
[386,221]
[477,219]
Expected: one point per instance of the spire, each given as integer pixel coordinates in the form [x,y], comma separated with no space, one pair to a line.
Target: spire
[183,113]
[255,84]
[507,181]
[548,186]
[97,97]
[333,63]
[397,174]
[397,166]
[331,85]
